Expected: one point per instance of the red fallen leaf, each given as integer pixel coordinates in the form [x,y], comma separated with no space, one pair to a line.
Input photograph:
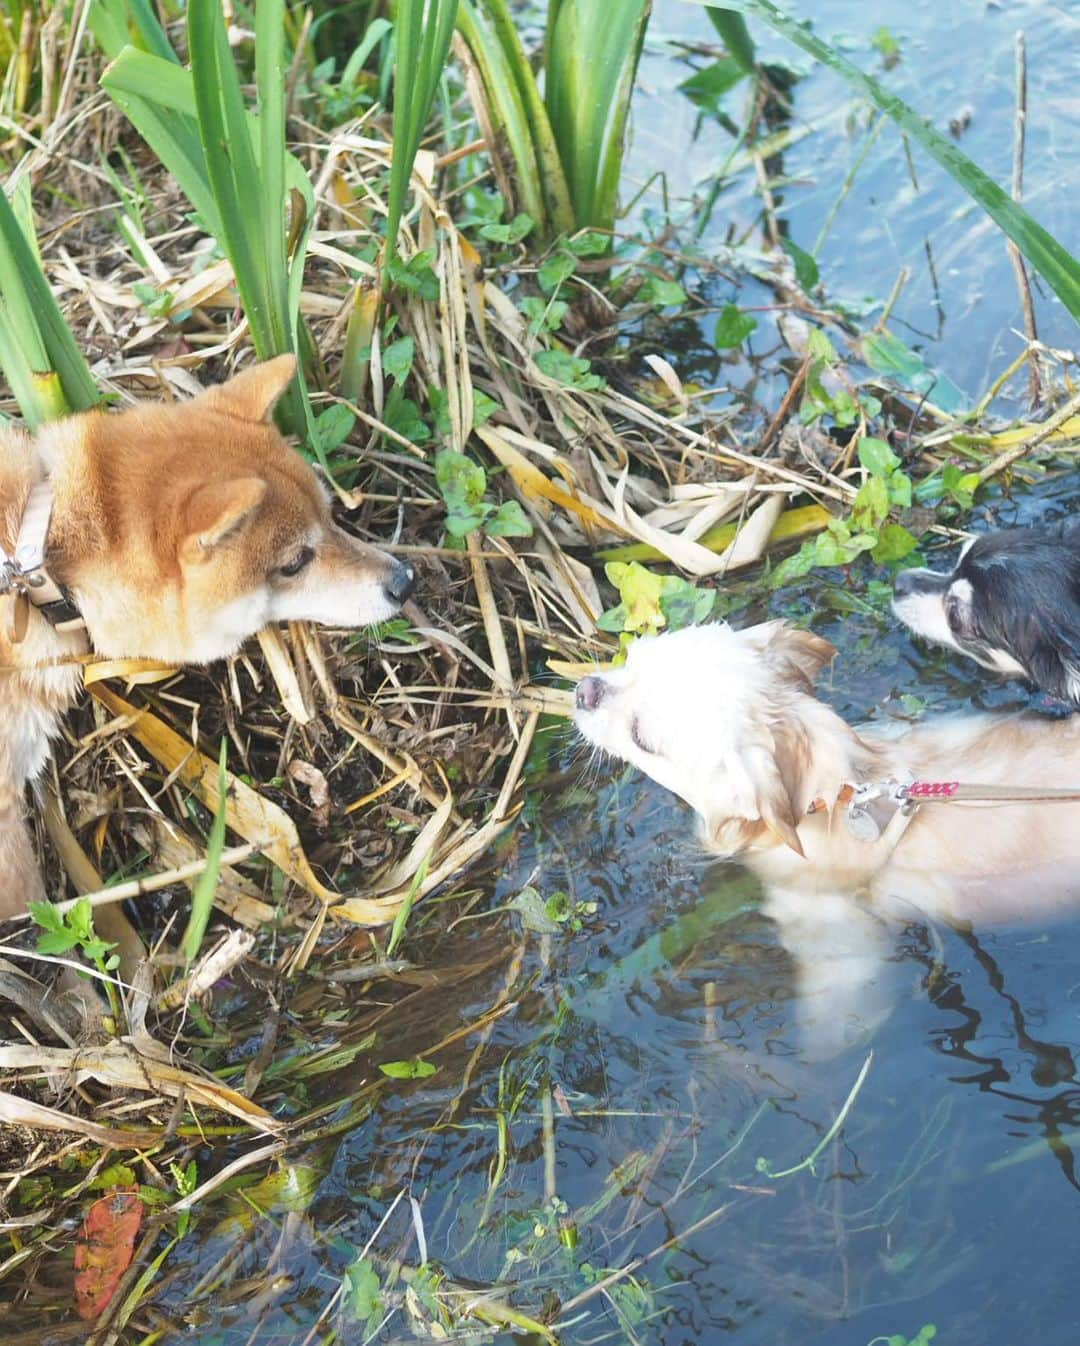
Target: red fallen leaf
[104,1248]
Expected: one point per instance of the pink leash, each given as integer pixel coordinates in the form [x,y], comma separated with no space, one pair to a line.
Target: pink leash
[954,791]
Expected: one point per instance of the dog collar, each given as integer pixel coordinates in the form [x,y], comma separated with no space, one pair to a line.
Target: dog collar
[24,577]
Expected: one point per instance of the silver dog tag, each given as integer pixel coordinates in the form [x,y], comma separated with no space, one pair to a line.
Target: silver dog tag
[861,824]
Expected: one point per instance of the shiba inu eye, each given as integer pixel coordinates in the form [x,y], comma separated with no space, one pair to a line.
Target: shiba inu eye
[300,561]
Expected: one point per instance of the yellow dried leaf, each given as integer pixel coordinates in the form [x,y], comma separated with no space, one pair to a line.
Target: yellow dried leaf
[17,1111]
[793,524]
[564,668]
[282,669]
[137,672]
[345,198]
[665,372]
[538,488]
[1008,439]
[118,1066]
[256,819]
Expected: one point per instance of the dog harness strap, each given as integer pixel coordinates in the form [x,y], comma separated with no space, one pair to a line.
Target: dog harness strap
[34,529]
[24,574]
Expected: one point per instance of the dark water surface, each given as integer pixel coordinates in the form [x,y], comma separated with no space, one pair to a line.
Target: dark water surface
[651,1058]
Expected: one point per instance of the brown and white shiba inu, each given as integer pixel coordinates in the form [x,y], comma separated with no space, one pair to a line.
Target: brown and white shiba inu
[177,531]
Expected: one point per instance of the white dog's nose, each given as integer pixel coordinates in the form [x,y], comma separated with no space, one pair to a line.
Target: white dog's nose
[590,692]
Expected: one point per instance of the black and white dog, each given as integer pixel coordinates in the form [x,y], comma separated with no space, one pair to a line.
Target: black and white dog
[1011,603]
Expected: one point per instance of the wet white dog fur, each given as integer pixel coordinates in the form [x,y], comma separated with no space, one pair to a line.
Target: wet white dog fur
[728,721]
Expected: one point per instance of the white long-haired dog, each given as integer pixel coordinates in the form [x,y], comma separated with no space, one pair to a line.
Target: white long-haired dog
[728,721]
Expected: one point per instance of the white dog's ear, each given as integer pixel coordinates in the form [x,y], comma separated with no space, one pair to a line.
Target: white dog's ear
[792,652]
[760,794]
[775,804]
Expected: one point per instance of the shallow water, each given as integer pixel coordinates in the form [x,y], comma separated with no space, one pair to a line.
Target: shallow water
[649,1079]
[669,1027]
[664,1039]
[960,305]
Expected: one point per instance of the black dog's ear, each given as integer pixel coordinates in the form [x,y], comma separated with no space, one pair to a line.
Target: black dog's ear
[1027,605]
[1053,656]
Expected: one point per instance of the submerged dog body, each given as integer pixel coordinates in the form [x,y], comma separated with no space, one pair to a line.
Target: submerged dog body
[1011,603]
[728,721]
[179,531]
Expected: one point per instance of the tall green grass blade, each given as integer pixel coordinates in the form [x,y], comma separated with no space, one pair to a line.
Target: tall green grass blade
[270,86]
[1054,263]
[44,367]
[281,282]
[401,920]
[202,897]
[230,160]
[157,98]
[422,42]
[376,30]
[735,36]
[117,23]
[233,167]
[507,110]
[39,395]
[567,146]
[520,111]
[592,53]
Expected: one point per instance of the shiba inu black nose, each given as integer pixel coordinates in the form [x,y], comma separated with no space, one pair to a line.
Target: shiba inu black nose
[398,585]
[590,692]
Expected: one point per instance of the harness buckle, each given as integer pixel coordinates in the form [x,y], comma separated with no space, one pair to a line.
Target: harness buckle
[868,823]
[13,579]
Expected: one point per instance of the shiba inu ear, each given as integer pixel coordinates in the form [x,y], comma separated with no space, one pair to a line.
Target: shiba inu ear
[252,395]
[215,510]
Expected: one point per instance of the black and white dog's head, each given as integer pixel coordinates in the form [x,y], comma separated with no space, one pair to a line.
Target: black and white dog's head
[1012,603]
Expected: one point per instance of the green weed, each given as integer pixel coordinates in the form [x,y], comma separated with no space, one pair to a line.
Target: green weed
[463,486]
[649,603]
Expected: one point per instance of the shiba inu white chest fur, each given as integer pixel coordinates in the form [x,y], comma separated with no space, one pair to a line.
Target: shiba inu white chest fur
[179,531]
